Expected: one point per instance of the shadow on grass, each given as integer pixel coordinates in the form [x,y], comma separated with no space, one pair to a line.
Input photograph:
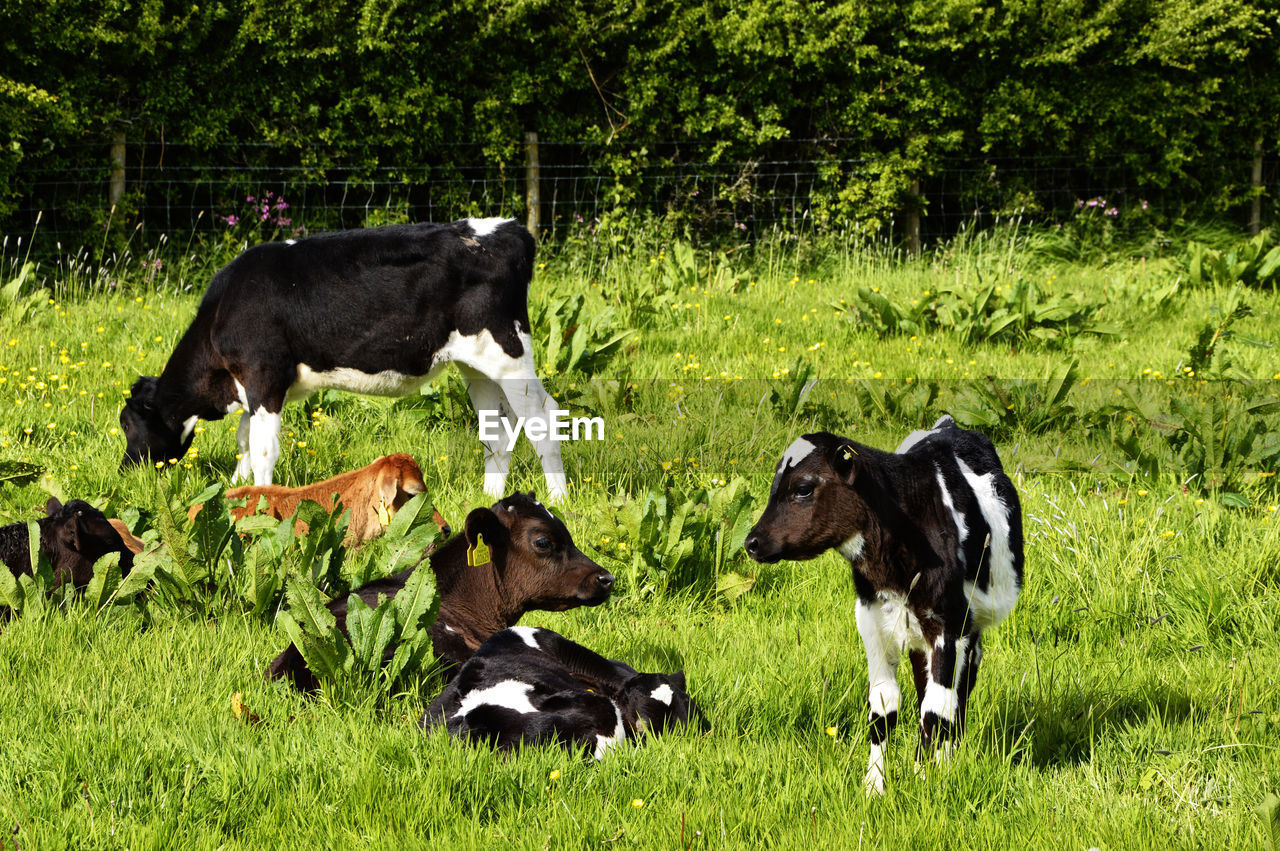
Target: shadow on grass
[652,656]
[1059,728]
[1064,729]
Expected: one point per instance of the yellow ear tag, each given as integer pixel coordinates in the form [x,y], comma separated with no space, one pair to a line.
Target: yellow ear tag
[384,516]
[848,454]
[478,553]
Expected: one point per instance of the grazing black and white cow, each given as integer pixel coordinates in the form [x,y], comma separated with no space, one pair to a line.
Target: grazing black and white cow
[527,685]
[933,533]
[377,311]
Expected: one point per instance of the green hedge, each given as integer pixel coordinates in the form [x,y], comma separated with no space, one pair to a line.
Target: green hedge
[1180,91]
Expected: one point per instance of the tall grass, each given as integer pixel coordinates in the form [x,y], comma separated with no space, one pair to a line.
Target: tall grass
[1129,701]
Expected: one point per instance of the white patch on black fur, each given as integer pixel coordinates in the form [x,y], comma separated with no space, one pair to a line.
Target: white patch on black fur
[508,694]
[481,352]
[852,548]
[603,743]
[796,452]
[663,694]
[528,635]
[920,434]
[962,529]
[799,450]
[940,701]
[484,227]
[898,624]
[993,605]
[385,383]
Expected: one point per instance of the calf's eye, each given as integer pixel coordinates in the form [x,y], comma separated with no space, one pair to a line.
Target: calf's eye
[542,544]
[804,490]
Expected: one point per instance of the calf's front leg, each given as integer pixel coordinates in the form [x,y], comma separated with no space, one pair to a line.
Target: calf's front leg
[264,444]
[883,694]
[244,466]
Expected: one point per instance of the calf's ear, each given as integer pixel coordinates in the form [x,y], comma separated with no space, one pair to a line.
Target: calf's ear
[68,533]
[387,484]
[677,681]
[845,462]
[143,392]
[482,521]
[52,507]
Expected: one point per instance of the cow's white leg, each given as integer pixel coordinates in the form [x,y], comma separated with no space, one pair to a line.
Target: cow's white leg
[264,444]
[883,696]
[486,395]
[244,468]
[526,397]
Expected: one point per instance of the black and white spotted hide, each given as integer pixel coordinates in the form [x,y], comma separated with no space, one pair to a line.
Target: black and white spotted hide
[528,686]
[376,310]
[933,533]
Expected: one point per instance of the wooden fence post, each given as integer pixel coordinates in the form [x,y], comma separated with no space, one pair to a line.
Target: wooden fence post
[913,220]
[115,189]
[532,169]
[1255,214]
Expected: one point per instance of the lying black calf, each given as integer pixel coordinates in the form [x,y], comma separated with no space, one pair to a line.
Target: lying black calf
[73,536]
[527,685]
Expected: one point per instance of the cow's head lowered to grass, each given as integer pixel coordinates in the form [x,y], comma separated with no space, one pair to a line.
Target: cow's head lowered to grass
[149,437]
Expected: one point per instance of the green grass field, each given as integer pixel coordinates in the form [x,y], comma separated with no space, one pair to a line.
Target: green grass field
[1130,701]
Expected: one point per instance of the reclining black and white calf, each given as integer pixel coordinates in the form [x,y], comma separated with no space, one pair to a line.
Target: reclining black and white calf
[526,686]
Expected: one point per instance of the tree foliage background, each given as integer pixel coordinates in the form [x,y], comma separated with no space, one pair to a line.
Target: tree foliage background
[1178,91]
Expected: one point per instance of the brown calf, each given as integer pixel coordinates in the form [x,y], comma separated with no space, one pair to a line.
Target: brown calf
[373,494]
[533,564]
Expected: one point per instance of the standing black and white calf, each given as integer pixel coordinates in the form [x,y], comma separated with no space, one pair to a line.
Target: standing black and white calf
[934,536]
[375,311]
[527,685]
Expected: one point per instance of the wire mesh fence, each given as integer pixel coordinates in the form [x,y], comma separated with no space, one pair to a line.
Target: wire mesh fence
[177,189]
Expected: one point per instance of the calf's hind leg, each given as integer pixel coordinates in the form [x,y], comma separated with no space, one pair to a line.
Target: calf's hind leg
[516,380]
[947,677]
[526,397]
[967,679]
